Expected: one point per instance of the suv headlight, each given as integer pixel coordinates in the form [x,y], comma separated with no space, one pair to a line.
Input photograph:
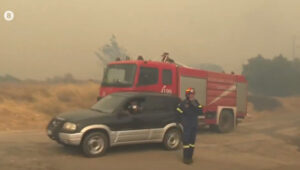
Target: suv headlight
[69,126]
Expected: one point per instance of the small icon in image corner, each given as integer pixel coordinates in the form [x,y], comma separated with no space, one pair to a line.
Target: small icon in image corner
[9,15]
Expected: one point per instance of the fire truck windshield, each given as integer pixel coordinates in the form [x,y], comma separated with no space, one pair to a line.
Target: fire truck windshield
[119,75]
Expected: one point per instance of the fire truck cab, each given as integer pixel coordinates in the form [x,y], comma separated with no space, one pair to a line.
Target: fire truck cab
[224,96]
[139,76]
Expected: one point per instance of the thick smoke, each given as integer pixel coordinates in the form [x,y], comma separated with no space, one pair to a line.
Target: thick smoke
[273,77]
[111,52]
[209,67]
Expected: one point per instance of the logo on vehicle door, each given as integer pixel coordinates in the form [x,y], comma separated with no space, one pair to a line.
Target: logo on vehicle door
[164,89]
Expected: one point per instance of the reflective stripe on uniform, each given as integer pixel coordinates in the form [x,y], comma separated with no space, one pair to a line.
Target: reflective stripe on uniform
[186,146]
[192,146]
[200,106]
[179,110]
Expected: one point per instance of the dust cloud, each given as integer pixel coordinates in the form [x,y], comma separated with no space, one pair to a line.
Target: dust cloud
[49,38]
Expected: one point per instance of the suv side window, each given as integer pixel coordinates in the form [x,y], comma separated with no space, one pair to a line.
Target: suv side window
[154,104]
[135,105]
[148,76]
[167,76]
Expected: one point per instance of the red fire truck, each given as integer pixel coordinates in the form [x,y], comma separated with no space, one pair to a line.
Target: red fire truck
[224,96]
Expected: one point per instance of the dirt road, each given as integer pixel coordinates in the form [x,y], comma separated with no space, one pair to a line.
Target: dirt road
[268,142]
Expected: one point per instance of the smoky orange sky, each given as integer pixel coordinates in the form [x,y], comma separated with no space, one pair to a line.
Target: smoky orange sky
[54,37]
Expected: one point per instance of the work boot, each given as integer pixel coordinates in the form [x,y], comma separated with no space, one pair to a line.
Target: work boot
[190,161]
[187,161]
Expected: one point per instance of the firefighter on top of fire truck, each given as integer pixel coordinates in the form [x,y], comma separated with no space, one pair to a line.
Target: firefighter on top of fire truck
[189,110]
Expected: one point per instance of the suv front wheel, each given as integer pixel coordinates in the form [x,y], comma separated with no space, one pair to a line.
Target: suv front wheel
[95,144]
[172,139]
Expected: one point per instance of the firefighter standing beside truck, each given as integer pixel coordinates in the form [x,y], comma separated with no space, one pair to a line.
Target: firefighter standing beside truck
[189,110]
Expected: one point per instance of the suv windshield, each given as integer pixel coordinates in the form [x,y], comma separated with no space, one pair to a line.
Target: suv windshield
[120,75]
[109,103]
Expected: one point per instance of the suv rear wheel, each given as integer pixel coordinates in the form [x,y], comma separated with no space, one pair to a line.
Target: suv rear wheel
[172,139]
[95,144]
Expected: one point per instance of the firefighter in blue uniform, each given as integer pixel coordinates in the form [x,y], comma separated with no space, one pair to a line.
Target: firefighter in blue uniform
[189,110]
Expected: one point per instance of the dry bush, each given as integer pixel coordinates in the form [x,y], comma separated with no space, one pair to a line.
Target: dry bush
[280,105]
[291,104]
[32,105]
[264,103]
[19,116]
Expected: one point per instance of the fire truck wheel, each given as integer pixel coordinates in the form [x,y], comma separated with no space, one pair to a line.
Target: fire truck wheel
[213,128]
[226,121]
